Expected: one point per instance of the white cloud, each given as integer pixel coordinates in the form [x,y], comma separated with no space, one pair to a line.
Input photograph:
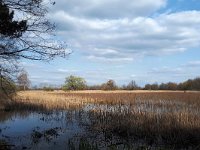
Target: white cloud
[126,39]
[167,70]
[104,59]
[109,9]
[60,70]
[193,63]
[185,18]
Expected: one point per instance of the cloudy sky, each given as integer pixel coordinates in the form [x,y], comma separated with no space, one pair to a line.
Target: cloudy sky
[143,40]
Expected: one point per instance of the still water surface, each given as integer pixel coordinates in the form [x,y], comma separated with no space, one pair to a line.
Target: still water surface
[39,130]
[93,126]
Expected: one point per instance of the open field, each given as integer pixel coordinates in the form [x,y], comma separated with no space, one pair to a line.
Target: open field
[158,119]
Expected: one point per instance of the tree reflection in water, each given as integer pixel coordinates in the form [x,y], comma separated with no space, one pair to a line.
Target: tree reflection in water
[100,126]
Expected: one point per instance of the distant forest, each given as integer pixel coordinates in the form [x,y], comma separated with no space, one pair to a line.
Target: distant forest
[191,84]
[78,83]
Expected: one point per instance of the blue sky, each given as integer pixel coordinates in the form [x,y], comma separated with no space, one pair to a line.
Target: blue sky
[147,41]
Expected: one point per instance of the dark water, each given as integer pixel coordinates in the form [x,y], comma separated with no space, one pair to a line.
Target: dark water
[69,129]
[39,130]
[89,127]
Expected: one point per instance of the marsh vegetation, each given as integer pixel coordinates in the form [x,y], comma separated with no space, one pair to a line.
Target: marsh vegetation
[101,120]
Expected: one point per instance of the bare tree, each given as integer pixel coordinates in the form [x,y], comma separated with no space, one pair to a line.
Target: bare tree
[109,85]
[132,86]
[26,32]
[23,81]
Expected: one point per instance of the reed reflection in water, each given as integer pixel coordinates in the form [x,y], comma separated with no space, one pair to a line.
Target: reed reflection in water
[151,121]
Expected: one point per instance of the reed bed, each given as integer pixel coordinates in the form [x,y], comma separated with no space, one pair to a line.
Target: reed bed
[180,130]
[45,100]
[169,118]
[66,100]
[127,97]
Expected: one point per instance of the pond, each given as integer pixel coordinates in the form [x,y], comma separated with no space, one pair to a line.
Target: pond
[68,129]
[93,126]
[39,130]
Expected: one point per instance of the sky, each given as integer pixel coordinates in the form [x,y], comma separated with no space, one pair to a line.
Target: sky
[149,41]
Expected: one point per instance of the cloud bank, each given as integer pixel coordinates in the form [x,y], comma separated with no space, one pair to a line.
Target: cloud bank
[122,31]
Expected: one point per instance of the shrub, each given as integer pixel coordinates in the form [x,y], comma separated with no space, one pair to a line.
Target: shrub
[48,89]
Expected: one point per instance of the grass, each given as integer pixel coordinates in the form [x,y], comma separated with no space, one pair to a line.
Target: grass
[169,118]
[44,100]
[66,100]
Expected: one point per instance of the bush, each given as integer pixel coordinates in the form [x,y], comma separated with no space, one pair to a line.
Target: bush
[48,89]
[7,87]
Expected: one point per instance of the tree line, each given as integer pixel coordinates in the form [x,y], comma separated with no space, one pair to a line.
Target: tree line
[78,83]
[73,83]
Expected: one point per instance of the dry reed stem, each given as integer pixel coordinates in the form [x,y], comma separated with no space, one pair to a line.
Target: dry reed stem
[174,116]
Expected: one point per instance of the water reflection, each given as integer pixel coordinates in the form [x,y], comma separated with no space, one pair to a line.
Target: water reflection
[99,126]
[38,130]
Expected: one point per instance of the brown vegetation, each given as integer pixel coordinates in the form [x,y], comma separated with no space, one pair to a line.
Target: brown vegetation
[63,100]
[170,118]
